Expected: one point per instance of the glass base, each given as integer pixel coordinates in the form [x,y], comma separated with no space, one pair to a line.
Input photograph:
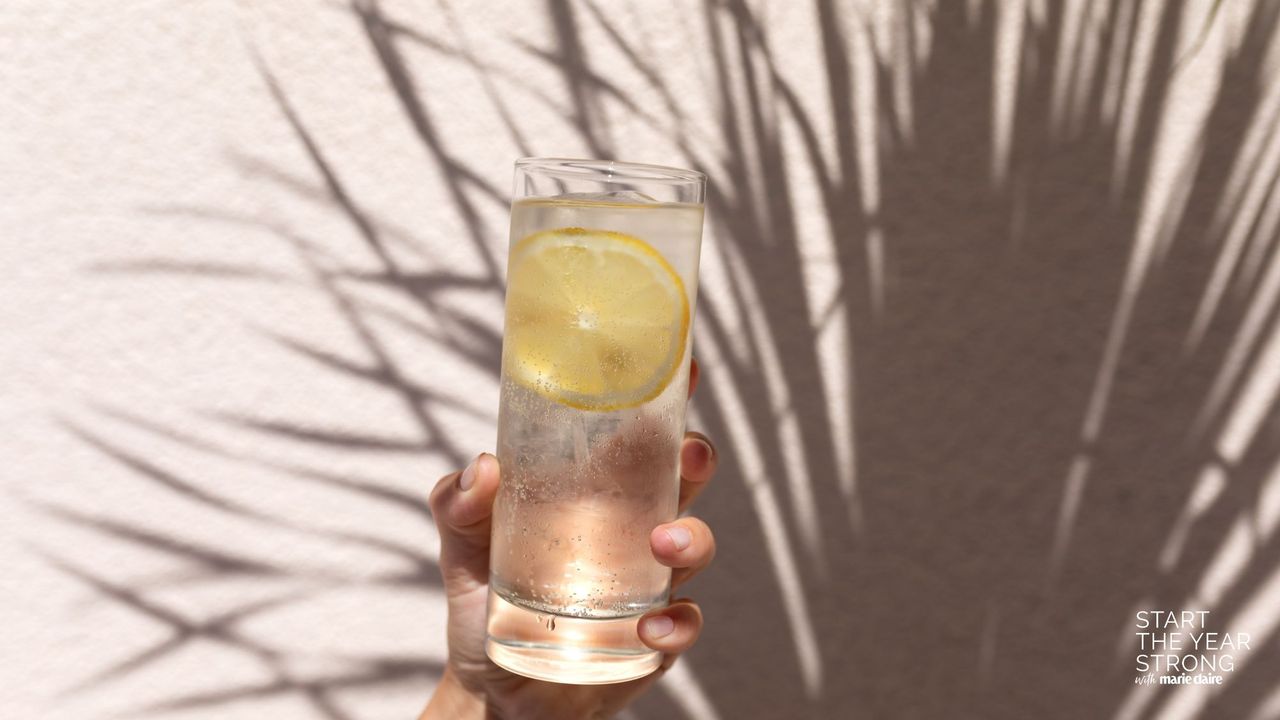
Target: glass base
[564,649]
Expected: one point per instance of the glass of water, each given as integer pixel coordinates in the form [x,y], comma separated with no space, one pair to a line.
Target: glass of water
[602,275]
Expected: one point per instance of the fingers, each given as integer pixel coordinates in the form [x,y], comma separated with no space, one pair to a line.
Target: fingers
[693,375]
[686,545]
[673,629]
[462,505]
[697,465]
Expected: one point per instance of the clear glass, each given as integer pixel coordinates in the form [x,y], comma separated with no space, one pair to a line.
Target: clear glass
[588,473]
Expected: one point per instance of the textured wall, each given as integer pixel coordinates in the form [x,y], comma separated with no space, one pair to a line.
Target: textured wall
[989,333]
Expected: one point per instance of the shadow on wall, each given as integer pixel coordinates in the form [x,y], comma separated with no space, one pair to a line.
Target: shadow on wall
[1041,394]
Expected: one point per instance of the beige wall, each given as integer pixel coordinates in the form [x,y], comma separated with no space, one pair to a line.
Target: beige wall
[988,326]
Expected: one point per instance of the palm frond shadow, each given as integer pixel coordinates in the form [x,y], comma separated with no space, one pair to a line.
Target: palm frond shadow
[1036,365]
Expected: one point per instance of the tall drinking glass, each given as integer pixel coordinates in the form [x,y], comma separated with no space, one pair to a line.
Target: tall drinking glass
[602,274]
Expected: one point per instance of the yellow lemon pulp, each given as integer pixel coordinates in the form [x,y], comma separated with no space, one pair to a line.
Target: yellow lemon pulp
[596,319]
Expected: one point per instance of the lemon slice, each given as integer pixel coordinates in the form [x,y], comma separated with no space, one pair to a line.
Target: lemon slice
[596,319]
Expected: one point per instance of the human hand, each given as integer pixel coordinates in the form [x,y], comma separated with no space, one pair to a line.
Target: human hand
[473,686]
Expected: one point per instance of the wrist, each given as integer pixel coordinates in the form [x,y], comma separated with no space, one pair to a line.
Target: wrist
[453,701]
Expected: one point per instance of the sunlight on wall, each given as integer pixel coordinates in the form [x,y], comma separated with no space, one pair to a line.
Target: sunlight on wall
[782,558]
[684,691]
[1211,483]
[1004,98]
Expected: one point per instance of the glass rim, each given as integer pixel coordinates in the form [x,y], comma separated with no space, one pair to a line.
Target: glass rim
[614,170]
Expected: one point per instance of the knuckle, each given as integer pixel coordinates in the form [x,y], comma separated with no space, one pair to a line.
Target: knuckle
[436,500]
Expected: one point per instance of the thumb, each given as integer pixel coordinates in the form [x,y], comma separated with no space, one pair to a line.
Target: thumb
[462,505]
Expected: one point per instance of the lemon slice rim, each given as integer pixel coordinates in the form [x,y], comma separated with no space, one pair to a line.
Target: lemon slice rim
[659,382]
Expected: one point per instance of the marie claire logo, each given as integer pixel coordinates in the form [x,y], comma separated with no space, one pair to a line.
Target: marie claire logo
[1177,647]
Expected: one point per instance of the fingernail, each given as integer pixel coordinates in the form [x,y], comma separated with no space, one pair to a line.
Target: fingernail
[468,476]
[658,626]
[680,536]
